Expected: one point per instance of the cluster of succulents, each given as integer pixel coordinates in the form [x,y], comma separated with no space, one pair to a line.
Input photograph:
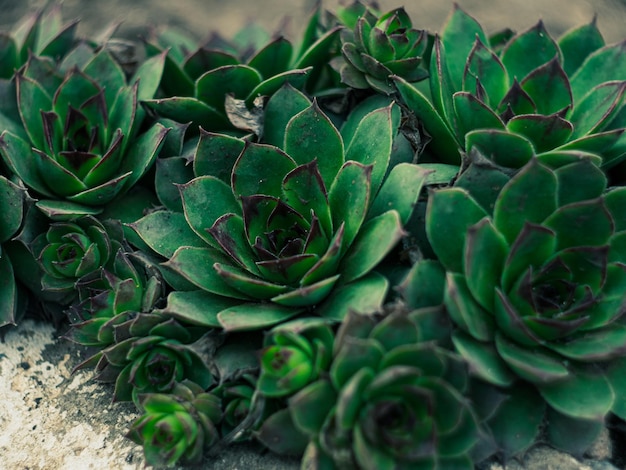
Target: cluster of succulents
[378,248]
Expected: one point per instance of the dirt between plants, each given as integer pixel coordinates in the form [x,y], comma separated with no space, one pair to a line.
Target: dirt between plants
[51,419]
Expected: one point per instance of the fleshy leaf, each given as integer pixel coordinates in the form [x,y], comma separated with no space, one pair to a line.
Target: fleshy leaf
[260,169]
[251,316]
[514,208]
[548,87]
[545,132]
[503,148]
[281,107]
[483,360]
[578,43]
[365,296]
[449,214]
[603,65]
[310,135]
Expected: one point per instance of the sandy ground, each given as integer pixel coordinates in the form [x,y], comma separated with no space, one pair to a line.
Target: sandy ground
[50,419]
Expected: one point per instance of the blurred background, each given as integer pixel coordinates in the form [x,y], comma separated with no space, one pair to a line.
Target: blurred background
[287,16]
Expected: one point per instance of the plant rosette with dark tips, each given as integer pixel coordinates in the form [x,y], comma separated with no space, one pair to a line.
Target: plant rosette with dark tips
[176,428]
[80,150]
[392,398]
[71,250]
[272,231]
[198,80]
[377,46]
[12,210]
[535,281]
[515,96]
[109,297]
[150,355]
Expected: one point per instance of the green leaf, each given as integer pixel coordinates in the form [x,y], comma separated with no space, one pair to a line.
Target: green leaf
[572,435]
[533,246]
[281,107]
[544,132]
[187,109]
[501,147]
[205,199]
[349,199]
[372,143]
[449,214]
[517,421]
[484,70]
[8,291]
[213,86]
[13,151]
[580,181]
[485,252]
[170,173]
[216,155]
[297,78]
[272,59]
[464,310]
[470,113]
[443,142]
[149,76]
[11,207]
[109,74]
[578,43]
[165,231]
[549,88]
[529,50]
[424,285]
[482,182]
[309,295]
[254,316]
[583,395]
[535,365]
[260,169]
[597,108]
[483,360]
[196,307]
[604,65]
[442,85]
[310,135]
[375,240]
[585,223]
[594,346]
[32,100]
[280,435]
[196,265]
[458,36]
[355,362]
[364,296]
[400,191]
[514,208]
[311,405]
[616,375]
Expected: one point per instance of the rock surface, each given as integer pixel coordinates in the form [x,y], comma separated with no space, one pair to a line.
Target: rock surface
[51,419]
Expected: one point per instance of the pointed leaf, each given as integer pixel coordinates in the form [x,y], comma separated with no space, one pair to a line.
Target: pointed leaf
[449,214]
[514,207]
[253,316]
[529,50]
[544,132]
[464,310]
[165,231]
[310,135]
[365,296]
[260,169]
[281,107]
[197,307]
[471,114]
[603,65]
[549,88]
[484,69]
[578,43]
[483,360]
[214,85]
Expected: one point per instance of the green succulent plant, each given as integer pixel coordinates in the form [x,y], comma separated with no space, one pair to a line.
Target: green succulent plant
[237,397]
[110,297]
[71,250]
[198,80]
[268,232]
[377,46]
[12,210]
[535,281]
[177,427]
[512,97]
[151,354]
[295,354]
[391,399]
[80,149]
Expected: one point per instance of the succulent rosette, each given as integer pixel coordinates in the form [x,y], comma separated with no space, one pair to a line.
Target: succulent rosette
[12,209]
[392,399]
[516,96]
[151,354]
[295,354]
[81,118]
[535,281]
[177,427]
[198,79]
[377,46]
[237,397]
[70,250]
[109,297]
[268,232]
